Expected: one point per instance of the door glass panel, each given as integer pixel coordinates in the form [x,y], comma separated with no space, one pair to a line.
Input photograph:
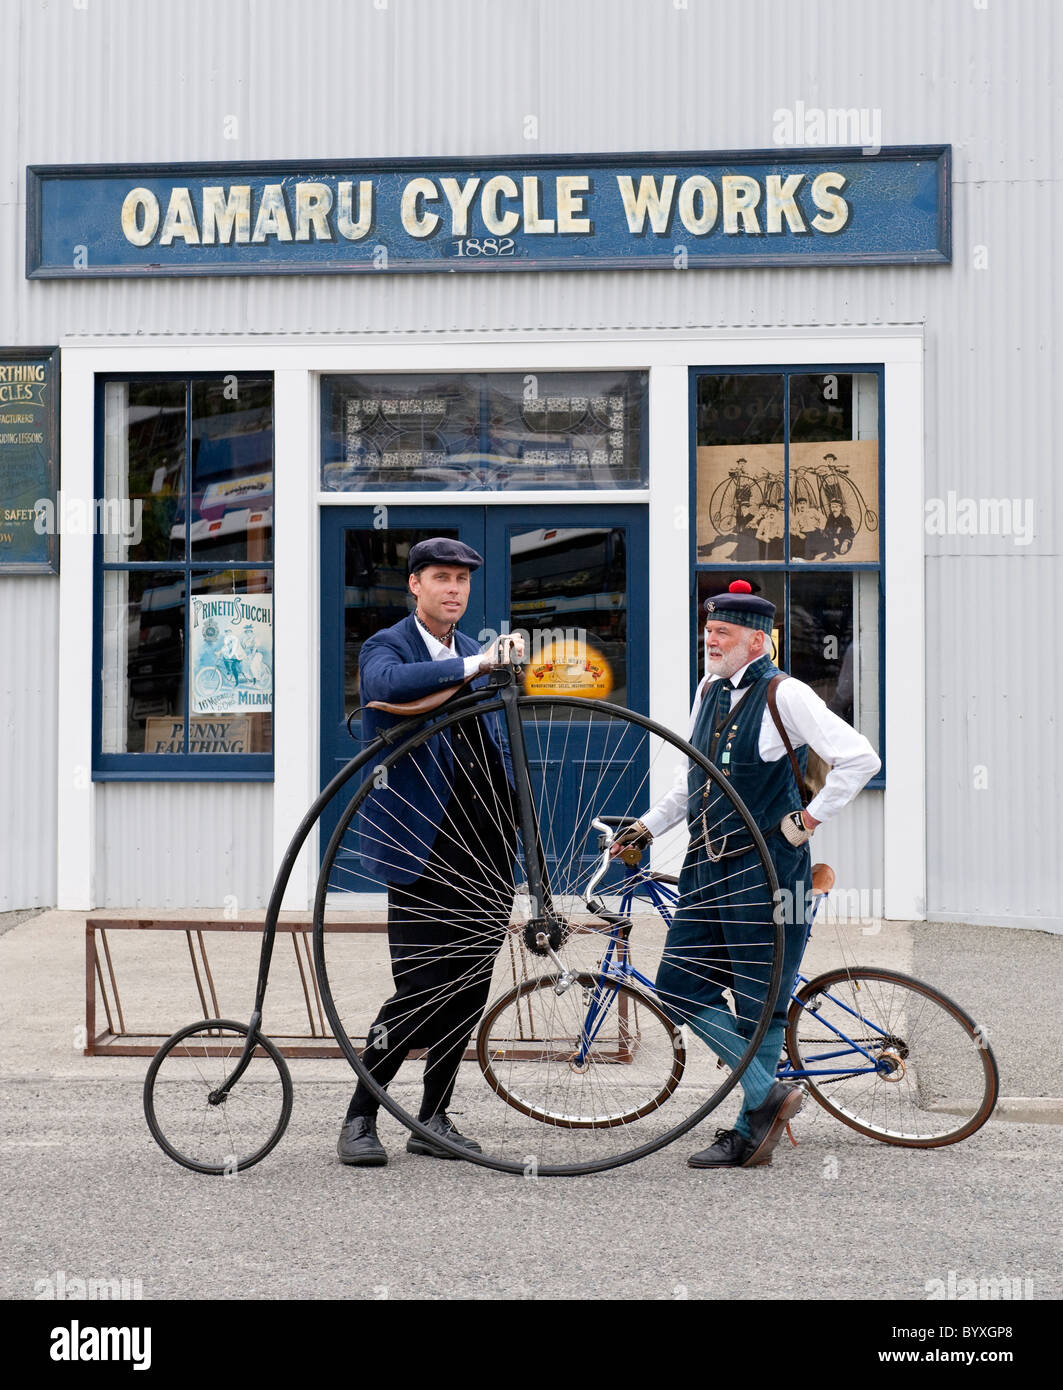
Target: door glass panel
[568,595]
[375,592]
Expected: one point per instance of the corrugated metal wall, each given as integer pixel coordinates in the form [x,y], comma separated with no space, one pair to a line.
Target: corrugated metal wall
[29,663]
[123,80]
[185,845]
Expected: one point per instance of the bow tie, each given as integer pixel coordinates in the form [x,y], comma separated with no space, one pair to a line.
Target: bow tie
[750,676]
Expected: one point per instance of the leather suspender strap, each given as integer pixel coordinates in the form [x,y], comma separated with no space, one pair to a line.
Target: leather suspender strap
[773,707]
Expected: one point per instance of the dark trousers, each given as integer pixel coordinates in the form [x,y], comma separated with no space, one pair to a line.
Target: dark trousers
[444,932]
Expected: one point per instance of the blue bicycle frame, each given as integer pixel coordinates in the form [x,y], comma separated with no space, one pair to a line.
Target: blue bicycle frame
[616,969]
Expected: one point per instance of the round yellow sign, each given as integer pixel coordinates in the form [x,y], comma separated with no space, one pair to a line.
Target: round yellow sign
[569,668]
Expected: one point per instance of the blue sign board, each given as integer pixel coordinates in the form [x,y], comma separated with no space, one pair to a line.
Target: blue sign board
[29,447]
[591,212]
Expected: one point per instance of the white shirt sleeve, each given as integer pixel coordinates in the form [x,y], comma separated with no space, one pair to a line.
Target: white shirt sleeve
[807,719]
[672,807]
[472,663]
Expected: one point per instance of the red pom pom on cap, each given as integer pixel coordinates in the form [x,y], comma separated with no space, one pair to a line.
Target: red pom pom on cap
[740,586]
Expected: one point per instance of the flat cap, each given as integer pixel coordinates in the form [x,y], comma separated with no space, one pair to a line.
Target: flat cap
[441,550]
[741,606]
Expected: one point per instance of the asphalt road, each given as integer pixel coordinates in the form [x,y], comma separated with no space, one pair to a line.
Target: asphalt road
[87,1193]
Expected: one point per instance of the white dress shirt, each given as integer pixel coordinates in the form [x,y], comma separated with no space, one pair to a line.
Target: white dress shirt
[806,719]
[439,652]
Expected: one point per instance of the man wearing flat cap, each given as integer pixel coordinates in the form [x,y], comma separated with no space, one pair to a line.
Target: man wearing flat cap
[717,937]
[448,907]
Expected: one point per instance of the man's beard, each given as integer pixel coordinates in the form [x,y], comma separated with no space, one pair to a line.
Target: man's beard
[725,666]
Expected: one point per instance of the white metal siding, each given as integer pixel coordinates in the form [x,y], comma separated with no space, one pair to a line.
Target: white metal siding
[28,713]
[180,844]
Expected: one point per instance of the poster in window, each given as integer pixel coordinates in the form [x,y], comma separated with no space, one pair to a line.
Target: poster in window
[29,444]
[231,653]
[740,502]
[834,509]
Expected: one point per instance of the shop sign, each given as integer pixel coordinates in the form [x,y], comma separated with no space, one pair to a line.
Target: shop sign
[580,212]
[569,668]
[29,445]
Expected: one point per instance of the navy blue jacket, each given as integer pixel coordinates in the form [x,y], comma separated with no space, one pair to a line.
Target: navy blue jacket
[400,818]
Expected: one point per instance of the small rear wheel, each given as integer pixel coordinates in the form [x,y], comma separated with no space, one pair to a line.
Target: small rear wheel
[597,1055]
[199,1124]
[892,1057]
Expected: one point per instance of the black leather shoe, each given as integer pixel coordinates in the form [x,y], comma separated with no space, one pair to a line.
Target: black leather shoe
[730,1151]
[769,1119]
[440,1124]
[358,1144]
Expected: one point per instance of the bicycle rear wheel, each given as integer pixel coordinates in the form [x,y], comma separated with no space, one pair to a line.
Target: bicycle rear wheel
[457,935]
[935,1080]
[188,1116]
[539,1053]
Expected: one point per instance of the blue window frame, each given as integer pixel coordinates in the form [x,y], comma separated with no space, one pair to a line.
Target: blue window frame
[183,575]
[787,479]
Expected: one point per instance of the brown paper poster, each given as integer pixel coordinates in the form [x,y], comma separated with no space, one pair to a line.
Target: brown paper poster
[834,507]
[739,499]
[834,503]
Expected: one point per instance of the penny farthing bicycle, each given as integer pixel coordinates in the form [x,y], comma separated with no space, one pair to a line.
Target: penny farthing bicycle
[218,1094]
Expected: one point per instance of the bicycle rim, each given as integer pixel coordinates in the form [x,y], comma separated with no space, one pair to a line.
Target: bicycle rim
[935,1081]
[216,1138]
[454,963]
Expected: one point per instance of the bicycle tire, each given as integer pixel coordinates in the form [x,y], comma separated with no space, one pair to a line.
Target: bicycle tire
[179,1113]
[915,1028]
[509,1062]
[622,787]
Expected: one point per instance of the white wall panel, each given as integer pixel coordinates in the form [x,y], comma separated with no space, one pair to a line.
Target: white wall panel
[28,713]
[184,844]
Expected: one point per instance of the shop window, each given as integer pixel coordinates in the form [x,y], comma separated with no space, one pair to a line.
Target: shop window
[787,484]
[184,581]
[486,431]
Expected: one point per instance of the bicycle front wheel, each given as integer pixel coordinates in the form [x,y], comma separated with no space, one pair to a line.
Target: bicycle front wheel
[407,971]
[190,1117]
[892,1057]
[587,1053]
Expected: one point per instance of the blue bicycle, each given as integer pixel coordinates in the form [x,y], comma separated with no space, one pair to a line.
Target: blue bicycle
[891,1057]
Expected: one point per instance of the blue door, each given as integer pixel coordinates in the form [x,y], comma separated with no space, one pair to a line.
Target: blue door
[547,571]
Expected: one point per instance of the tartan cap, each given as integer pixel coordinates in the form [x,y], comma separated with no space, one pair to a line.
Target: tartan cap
[441,550]
[739,605]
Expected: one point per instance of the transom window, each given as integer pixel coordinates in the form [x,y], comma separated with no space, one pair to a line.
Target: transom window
[484,431]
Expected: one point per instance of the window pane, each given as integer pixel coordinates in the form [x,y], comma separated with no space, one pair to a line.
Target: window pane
[402,431]
[769,585]
[230,638]
[568,593]
[572,430]
[740,409]
[834,467]
[143,470]
[232,469]
[143,661]
[486,431]
[834,643]
[740,466]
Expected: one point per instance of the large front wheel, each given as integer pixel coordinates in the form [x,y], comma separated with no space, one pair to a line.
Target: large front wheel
[407,971]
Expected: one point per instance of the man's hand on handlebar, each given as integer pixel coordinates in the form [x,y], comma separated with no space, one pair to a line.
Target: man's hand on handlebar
[633,839]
